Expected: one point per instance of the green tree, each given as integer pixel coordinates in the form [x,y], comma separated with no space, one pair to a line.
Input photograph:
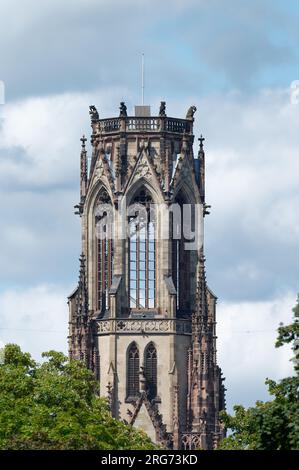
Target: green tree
[271,425]
[56,405]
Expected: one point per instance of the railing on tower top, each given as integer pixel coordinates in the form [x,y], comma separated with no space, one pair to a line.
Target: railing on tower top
[109,125]
[145,124]
[142,124]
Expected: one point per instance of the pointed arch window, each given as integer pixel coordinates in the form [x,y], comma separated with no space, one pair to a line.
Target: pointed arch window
[181,257]
[150,370]
[142,253]
[133,371]
[104,256]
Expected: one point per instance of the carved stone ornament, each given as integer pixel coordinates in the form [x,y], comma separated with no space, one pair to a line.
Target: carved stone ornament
[143,170]
[190,113]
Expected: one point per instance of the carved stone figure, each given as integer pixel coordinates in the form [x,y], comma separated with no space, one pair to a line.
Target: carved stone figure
[93,112]
[162,110]
[122,110]
[190,113]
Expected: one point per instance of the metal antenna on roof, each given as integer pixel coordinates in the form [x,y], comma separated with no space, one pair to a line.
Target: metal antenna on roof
[142,79]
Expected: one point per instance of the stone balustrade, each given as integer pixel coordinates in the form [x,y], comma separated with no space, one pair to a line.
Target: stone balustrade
[132,325]
[145,124]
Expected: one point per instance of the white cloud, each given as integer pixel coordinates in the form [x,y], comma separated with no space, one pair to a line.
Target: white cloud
[40,237]
[252,148]
[35,318]
[76,45]
[246,353]
[39,137]
[252,185]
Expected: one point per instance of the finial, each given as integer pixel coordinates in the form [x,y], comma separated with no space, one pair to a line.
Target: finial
[162,110]
[201,141]
[122,110]
[83,140]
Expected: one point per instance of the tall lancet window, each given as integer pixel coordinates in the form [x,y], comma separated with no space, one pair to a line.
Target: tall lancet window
[182,224]
[142,262]
[104,245]
[150,370]
[133,371]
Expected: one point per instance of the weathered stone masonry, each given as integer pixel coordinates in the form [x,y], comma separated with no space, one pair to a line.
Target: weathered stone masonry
[142,317]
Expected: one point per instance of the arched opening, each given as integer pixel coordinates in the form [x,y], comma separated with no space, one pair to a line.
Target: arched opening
[150,370]
[181,257]
[104,250]
[133,371]
[142,251]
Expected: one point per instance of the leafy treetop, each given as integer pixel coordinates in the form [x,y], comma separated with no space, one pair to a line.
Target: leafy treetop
[56,405]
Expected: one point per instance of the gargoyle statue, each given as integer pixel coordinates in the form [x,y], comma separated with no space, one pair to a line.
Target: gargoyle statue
[93,112]
[191,112]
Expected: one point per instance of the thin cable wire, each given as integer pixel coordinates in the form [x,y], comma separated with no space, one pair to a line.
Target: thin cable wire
[32,329]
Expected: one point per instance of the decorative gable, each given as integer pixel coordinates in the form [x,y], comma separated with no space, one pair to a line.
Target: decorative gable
[144,422]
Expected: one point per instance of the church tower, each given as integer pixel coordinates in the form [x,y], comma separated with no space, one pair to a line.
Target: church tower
[142,317]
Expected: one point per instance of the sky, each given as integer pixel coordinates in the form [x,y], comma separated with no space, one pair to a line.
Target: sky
[238,64]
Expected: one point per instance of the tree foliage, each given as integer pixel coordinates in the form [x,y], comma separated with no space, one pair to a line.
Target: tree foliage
[56,405]
[271,425]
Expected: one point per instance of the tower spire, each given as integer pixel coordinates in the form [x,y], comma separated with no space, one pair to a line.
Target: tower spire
[83,168]
[205,383]
[201,141]
[201,159]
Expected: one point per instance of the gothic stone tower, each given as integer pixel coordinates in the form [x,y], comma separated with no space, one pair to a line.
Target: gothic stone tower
[142,317]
